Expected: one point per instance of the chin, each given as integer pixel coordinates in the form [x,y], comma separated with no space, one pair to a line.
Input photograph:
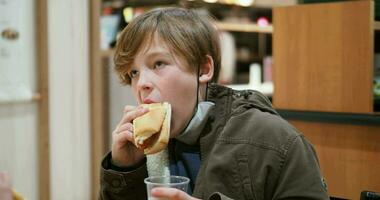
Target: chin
[174,132]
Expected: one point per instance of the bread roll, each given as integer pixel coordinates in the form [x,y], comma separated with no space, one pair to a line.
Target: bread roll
[152,130]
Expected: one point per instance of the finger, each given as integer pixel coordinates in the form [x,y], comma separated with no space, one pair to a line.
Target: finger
[125,127]
[123,137]
[4,179]
[170,193]
[132,114]
[126,110]
[1,178]
[129,108]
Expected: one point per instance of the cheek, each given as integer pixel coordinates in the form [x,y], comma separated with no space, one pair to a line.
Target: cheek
[135,93]
[181,88]
[182,95]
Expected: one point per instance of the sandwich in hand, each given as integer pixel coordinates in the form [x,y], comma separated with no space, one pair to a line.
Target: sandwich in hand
[152,130]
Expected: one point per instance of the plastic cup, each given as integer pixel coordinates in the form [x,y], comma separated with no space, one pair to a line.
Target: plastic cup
[178,182]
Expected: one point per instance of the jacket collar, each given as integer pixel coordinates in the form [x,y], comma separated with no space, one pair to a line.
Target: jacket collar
[193,130]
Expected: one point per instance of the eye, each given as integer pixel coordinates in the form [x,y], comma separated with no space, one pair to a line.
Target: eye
[159,64]
[133,73]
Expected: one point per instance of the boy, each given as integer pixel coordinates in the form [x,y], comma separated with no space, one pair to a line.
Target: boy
[231,144]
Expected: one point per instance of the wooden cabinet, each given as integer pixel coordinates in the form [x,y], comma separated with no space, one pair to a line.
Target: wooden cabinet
[323,71]
[324,57]
[348,155]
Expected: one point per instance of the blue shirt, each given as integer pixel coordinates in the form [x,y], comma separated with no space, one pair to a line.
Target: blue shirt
[185,161]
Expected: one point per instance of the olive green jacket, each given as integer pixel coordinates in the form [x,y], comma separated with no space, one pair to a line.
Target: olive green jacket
[247,152]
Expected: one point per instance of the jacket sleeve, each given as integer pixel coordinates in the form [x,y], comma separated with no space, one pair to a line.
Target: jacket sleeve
[300,174]
[123,184]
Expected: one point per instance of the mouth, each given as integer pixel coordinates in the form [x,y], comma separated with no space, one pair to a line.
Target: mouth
[148,101]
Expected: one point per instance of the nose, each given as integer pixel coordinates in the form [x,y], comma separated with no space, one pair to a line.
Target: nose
[144,82]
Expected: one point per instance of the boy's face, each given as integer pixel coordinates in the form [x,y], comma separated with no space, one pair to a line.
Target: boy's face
[157,76]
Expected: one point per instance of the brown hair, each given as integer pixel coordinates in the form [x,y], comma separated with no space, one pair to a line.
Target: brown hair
[187,33]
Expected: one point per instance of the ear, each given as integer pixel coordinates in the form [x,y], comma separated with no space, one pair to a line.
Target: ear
[206,70]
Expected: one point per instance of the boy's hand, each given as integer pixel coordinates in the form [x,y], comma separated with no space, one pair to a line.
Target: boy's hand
[171,194]
[124,152]
[5,187]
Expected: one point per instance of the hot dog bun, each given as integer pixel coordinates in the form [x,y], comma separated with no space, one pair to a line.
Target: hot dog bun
[152,130]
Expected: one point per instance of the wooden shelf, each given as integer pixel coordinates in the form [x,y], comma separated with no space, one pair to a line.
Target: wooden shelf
[254,28]
[226,26]
[376,26]
[140,3]
[36,97]
[263,4]
[23,99]
[265,88]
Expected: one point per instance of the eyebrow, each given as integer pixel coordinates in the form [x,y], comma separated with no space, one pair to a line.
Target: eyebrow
[158,53]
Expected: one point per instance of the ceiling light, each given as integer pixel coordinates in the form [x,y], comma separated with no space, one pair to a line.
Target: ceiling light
[245,2]
[210,1]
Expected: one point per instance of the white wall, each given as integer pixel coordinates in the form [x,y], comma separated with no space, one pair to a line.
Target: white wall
[69,104]
[18,147]
[68,32]
[18,121]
